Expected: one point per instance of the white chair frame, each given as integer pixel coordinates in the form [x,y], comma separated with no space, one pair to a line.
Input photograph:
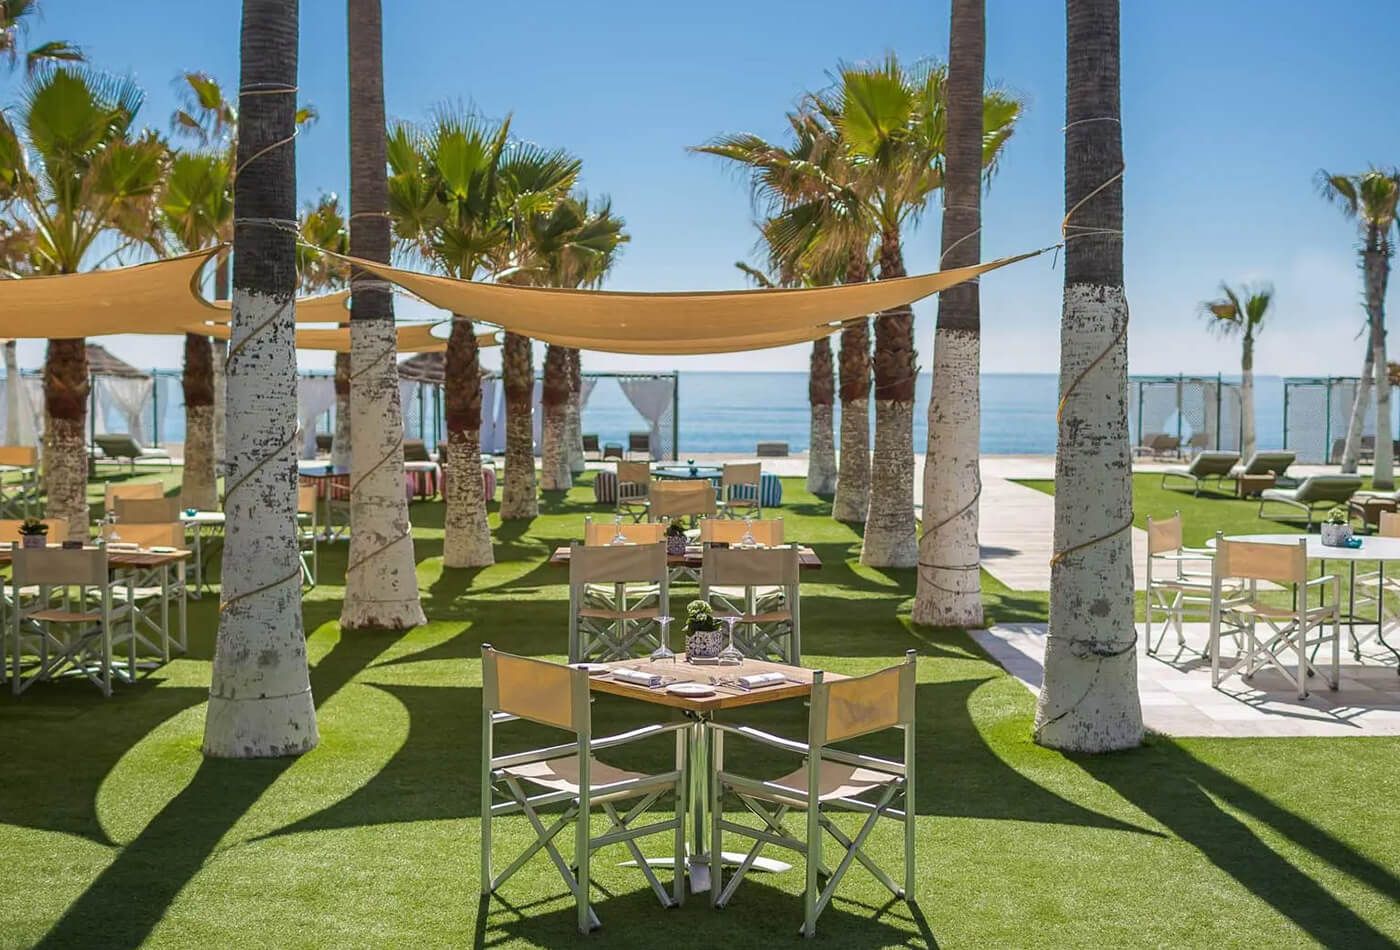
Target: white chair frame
[767,602]
[612,624]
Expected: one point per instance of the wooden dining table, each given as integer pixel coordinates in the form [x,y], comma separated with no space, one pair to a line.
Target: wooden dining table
[694,558]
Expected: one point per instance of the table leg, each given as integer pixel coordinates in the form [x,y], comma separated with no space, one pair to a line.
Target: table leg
[165,611]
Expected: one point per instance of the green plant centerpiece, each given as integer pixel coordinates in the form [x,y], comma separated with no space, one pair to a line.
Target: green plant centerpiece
[33,533]
[675,539]
[1336,528]
[702,638]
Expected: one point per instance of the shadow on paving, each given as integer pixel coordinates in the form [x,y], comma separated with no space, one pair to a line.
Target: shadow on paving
[1181,792]
[131,895]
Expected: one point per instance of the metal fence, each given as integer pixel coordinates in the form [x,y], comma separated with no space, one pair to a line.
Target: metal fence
[1201,412]
[1317,412]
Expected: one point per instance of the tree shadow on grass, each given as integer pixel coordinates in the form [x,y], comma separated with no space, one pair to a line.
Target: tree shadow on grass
[1182,792]
[130,896]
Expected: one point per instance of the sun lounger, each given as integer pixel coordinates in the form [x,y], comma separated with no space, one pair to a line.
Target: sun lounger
[1159,445]
[120,446]
[1204,467]
[1315,493]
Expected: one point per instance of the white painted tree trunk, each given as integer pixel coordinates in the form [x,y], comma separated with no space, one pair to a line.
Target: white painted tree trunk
[220,401]
[1089,698]
[555,474]
[65,474]
[467,535]
[950,580]
[198,487]
[1247,437]
[260,700]
[573,437]
[381,582]
[852,501]
[13,382]
[1377,273]
[519,498]
[1360,405]
[343,442]
[891,538]
[821,457]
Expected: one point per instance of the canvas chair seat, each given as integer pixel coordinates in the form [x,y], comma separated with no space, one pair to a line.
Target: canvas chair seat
[835,781]
[767,616]
[561,775]
[57,615]
[1259,609]
[603,613]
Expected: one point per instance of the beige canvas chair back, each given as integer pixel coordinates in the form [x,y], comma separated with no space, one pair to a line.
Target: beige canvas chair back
[750,567]
[306,499]
[150,535]
[768,532]
[633,473]
[1261,561]
[617,564]
[743,473]
[865,704]
[134,490]
[1390,524]
[147,510]
[1164,535]
[532,689]
[596,533]
[679,499]
[9,530]
[85,567]
[19,456]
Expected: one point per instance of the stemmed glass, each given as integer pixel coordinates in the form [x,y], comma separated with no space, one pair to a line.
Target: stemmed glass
[748,540]
[618,537]
[663,652]
[109,534]
[730,655]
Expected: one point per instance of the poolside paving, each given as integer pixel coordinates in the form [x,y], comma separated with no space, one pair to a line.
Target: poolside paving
[1178,700]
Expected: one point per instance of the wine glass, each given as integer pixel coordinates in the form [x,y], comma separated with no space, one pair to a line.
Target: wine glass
[109,531]
[748,540]
[730,655]
[663,652]
[618,536]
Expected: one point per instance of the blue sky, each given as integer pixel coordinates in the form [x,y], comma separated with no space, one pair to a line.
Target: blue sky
[1229,109]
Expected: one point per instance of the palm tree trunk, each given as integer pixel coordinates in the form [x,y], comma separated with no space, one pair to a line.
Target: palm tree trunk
[1360,405]
[555,474]
[518,498]
[821,393]
[891,538]
[13,381]
[1377,270]
[342,442]
[198,488]
[66,388]
[574,426]
[381,584]
[949,589]
[1248,443]
[466,535]
[852,501]
[260,701]
[1089,697]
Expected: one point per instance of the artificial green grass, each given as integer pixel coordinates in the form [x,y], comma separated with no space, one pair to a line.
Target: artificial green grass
[114,831]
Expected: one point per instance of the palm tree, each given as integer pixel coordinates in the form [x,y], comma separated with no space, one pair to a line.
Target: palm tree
[533,181]
[381,584]
[196,208]
[949,589]
[14,21]
[1240,313]
[445,208]
[260,701]
[1089,698]
[1370,199]
[83,181]
[322,227]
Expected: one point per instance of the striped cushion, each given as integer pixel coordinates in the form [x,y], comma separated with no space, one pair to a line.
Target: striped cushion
[605,488]
[770,491]
[488,481]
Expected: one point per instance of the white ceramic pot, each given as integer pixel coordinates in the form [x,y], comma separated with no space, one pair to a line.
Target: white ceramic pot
[34,540]
[1336,535]
[703,643]
[675,546]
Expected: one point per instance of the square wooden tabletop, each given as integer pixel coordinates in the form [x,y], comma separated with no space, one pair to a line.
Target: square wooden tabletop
[694,557]
[797,683]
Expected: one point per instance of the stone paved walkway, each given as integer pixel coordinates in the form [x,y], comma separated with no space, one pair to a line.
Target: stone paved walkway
[1178,700]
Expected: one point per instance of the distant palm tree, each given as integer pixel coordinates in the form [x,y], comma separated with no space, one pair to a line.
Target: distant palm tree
[15,16]
[75,172]
[260,701]
[1370,199]
[1240,313]
[949,591]
[445,208]
[1089,697]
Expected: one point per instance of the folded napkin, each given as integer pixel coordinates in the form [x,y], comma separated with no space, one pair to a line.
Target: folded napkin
[755,680]
[637,677]
[123,546]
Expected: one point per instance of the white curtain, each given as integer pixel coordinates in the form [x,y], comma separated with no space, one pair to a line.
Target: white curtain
[408,392]
[498,428]
[315,396]
[22,422]
[585,390]
[490,385]
[650,396]
[128,396]
[31,400]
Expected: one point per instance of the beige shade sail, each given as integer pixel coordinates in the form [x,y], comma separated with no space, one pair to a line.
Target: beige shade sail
[673,323]
[412,338]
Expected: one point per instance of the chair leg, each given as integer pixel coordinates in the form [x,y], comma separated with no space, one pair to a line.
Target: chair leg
[814,862]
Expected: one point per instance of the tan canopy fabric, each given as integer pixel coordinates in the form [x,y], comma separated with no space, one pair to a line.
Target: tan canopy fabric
[159,297]
[673,323]
[413,338]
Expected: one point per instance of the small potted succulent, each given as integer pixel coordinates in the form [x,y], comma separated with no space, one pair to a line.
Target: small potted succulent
[1336,530]
[675,539]
[702,637]
[33,533]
